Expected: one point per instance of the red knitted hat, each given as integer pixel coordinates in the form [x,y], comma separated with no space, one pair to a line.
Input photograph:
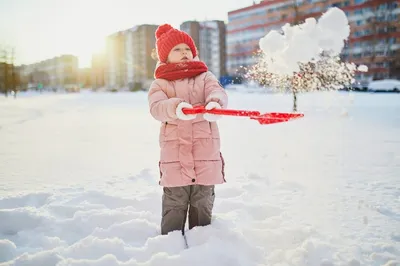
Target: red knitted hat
[167,38]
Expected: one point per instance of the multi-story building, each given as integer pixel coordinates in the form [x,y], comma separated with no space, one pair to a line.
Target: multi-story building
[209,37]
[128,57]
[115,60]
[193,29]
[246,26]
[55,73]
[375,35]
[98,71]
[373,38]
[85,77]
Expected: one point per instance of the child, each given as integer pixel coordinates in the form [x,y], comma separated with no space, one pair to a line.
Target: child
[190,159]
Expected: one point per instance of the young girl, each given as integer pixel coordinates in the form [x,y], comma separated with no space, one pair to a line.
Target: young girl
[190,159]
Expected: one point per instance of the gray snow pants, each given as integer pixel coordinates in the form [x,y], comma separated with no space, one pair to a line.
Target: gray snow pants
[176,201]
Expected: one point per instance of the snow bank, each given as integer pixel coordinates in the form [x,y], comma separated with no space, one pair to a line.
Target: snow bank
[384,85]
[293,192]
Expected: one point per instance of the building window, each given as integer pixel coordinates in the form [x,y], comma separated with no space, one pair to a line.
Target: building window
[382,6]
[367,9]
[381,30]
[367,32]
[359,2]
[392,17]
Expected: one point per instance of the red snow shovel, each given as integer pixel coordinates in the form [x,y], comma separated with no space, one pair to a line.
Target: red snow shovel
[263,119]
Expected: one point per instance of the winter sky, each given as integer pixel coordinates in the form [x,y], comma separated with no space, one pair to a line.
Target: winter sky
[42,29]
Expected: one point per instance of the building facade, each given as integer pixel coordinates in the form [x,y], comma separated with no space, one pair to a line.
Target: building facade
[375,36]
[55,73]
[373,40]
[98,71]
[115,61]
[128,58]
[210,40]
[85,77]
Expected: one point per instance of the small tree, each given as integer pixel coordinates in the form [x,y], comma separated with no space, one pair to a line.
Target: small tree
[4,68]
[8,73]
[279,68]
[327,73]
[296,20]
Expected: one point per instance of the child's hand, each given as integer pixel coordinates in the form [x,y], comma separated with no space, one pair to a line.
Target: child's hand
[211,117]
[180,114]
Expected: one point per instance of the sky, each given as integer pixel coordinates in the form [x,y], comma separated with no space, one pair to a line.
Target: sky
[42,29]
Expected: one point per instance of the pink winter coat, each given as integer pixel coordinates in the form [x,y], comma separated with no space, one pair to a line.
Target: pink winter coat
[190,150]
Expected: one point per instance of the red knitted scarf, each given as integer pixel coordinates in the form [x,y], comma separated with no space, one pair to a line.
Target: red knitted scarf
[174,71]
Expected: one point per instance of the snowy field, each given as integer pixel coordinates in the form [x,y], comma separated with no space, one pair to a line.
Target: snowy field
[79,184]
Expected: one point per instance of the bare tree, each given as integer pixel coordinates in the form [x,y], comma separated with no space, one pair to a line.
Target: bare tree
[4,72]
[296,20]
[13,74]
[8,75]
[327,73]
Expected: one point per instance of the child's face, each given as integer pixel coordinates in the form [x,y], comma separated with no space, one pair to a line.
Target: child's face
[180,53]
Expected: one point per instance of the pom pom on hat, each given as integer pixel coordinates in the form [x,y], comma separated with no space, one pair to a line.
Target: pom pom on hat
[168,37]
[163,29]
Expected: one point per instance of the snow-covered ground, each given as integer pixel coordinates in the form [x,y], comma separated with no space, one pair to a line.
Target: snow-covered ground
[388,85]
[79,183]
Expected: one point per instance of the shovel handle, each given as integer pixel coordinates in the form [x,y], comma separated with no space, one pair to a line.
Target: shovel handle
[264,119]
[194,111]
[202,110]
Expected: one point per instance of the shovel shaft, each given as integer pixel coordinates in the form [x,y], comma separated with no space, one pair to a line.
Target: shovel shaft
[231,112]
[267,118]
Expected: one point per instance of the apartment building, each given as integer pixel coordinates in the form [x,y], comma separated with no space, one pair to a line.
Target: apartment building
[375,36]
[98,71]
[209,37]
[373,40]
[54,73]
[85,77]
[115,60]
[128,57]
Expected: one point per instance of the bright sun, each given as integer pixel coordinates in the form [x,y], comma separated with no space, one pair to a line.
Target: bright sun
[87,48]
[85,35]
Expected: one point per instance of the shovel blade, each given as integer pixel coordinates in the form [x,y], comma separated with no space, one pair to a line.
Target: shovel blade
[282,115]
[273,118]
